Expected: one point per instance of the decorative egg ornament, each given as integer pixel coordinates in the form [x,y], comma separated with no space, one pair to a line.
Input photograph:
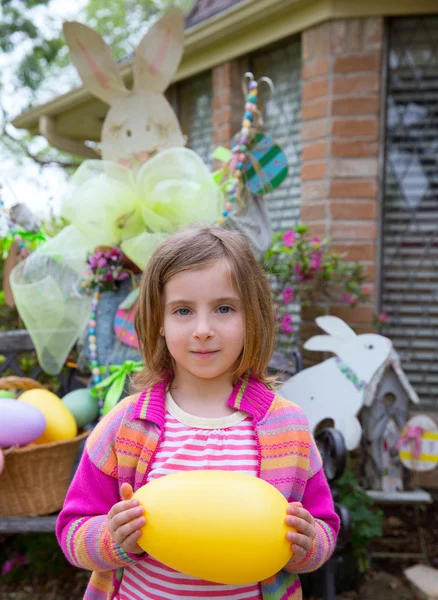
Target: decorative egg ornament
[60,423]
[20,423]
[220,526]
[83,406]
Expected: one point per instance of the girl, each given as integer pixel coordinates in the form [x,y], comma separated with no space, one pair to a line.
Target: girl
[206,327]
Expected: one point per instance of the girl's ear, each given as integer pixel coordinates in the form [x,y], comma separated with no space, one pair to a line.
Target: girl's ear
[159,53]
[94,62]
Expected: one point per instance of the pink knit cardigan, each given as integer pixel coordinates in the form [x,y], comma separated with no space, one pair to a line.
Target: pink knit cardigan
[121,448]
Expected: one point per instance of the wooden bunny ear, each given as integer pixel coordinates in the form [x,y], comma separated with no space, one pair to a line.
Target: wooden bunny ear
[94,62]
[159,53]
[324,343]
[335,326]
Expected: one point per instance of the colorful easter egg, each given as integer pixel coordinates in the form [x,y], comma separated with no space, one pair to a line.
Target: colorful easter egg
[82,405]
[418,444]
[60,423]
[20,423]
[220,526]
[266,166]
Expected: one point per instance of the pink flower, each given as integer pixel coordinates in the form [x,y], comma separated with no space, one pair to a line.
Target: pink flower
[349,298]
[286,324]
[384,317]
[316,241]
[366,289]
[315,262]
[288,295]
[102,262]
[8,566]
[289,239]
[298,272]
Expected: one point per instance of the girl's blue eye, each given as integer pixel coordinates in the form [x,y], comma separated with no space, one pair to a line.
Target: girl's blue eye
[224,310]
[183,312]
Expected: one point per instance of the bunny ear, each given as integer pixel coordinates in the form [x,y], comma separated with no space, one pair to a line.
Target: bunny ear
[324,343]
[94,62]
[335,326]
[159,53]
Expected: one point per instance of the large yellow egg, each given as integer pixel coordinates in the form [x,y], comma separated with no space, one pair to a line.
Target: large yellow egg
[60,423]
[219,526]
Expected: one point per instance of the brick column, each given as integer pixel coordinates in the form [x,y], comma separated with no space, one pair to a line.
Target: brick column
[228,101]
[341,85]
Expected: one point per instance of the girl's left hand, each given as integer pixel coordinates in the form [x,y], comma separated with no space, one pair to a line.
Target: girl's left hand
[300,519]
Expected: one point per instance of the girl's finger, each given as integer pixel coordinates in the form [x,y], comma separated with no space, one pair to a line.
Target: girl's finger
[121,507]
[126,530]
[130,543]
[300,540]
[298,553]
[301,526]
[120,519]
[300,512]
[126,491]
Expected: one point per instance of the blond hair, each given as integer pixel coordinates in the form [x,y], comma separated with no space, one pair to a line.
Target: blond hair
[194,248]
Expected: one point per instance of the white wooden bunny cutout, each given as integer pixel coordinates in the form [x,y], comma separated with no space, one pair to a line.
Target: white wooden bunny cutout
[140,121]
[334,389]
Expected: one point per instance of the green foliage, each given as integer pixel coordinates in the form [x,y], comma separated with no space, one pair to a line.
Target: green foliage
[28,555]
[367,519]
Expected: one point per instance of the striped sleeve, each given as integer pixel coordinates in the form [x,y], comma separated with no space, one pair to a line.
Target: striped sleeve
[82,528]
[317,499]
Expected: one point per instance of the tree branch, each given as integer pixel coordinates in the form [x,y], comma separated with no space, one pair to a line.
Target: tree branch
[23,147]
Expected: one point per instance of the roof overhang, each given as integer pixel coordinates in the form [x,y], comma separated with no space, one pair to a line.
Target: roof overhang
[248,26]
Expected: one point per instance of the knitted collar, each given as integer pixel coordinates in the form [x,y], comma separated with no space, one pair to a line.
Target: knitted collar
[359,384]
[249,395]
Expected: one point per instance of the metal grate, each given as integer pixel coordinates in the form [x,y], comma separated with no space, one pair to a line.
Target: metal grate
[196,114]
[409,291]
[282,118]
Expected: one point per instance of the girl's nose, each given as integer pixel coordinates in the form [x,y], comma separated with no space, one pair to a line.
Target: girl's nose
[203,330]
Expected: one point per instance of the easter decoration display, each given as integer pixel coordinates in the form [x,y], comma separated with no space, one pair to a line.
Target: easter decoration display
[39,442]
[245,544]
[82,285]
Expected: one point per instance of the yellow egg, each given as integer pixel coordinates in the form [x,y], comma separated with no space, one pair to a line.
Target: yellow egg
[60,423]
[219,526]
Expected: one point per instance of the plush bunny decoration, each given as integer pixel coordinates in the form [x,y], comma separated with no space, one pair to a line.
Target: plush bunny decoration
[335,388]
[140,121]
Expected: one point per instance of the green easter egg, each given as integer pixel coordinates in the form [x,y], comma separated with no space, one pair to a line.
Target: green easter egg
[6,394]
[82,405]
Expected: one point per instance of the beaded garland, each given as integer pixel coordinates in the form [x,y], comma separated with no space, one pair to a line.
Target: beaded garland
[240,150]
[105,269]
[359,384]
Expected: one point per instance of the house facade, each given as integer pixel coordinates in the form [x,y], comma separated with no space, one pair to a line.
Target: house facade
[356,109]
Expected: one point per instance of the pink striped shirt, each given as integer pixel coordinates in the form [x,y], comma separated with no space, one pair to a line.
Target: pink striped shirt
[190,443]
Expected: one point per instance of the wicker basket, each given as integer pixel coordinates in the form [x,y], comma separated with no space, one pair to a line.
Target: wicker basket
[36,477]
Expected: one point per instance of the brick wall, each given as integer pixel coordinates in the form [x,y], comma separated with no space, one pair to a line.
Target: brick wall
[341,85]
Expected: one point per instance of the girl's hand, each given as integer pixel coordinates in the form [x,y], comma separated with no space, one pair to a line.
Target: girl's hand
[125,520]
[300,519]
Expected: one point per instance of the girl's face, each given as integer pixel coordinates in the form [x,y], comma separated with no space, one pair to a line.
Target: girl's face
[203,321]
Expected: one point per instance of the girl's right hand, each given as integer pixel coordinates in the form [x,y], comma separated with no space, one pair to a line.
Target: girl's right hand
[125,520]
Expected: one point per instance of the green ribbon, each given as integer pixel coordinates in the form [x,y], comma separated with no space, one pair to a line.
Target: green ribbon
[112,387]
